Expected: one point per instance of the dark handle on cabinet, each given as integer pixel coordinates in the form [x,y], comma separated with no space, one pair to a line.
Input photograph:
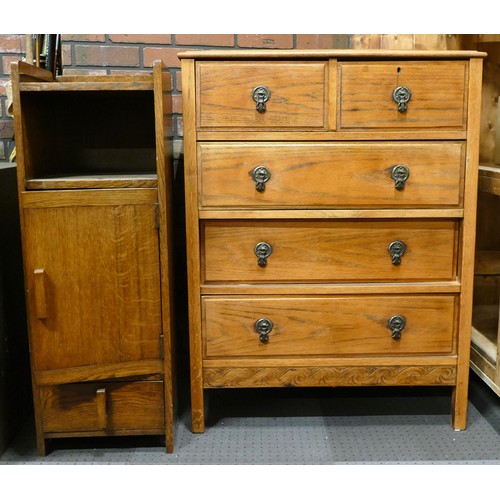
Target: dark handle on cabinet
[396,324]
[261,95]
[261,175]
[399,174]
[401,95]
[262,250]
[397,249]
[263,327]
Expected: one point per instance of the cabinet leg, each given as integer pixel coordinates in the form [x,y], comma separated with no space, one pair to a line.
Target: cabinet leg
[197,410]
[459,407]
[41,445]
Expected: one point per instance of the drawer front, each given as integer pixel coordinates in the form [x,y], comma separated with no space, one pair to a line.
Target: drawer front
[328,326]
[295,95]
[109,406]
[328,251]
[437,94]
[331,175]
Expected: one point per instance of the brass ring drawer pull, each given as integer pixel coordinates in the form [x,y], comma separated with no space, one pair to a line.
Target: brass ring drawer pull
[399,174]
[261,175]
[263,250]
[263,327]
[261,95]
[397,249]
[401,95]
[396,324]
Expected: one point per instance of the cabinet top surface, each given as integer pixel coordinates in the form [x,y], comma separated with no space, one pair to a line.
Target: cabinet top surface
[345,54]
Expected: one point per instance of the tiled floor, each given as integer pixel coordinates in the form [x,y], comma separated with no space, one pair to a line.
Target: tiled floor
[303,426]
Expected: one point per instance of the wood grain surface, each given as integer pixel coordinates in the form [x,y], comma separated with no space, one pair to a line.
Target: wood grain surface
[331,174]
[328,326]
[109,405]
[298,94]
[438,94]
[329,251]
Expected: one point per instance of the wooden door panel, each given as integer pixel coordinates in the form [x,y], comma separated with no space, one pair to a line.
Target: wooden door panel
[96,270]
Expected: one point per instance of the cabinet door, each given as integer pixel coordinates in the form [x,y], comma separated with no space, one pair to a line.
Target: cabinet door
[92,268]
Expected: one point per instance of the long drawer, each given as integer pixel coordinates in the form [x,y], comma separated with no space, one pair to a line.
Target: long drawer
[328,326]
[390,174]
[113,407]
[328,251]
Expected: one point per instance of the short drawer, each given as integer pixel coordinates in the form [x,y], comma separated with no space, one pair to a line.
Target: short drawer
[329,326]
[392,174]
[261,95]
[375,94]
[329,251]
[112,407]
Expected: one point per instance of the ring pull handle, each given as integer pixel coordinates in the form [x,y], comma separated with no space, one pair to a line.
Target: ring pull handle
[397,249]
[263,327]
[263,250]
[401,95]
[396,324]
[261,175]
[399,174]
[261,95]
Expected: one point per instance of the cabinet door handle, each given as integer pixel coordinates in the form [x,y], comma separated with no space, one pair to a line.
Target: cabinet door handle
[261,95]
[263,327]
[262,250]
[397,249]
[102,412]
[40,289]
[396,324]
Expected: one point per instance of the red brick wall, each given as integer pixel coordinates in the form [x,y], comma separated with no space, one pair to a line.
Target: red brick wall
[107,54]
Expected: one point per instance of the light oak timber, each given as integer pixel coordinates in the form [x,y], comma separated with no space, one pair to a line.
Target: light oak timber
[109,226]
[114,272]
[64,86]
[328,326]
[94,406]
[30,72]
[311,175]
[344,54]
[88,198]
[331,96]
[364,102]
[90,373]
[192,245]
[325,361]
[351,376]
[328,251]
[297,94]
[328,288]
[466,266]
[94,182]
[234,134]
[164,165]
[454,117]
[317,214]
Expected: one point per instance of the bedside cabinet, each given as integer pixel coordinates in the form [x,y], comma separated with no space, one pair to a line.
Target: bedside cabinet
[330,210]
[94,194]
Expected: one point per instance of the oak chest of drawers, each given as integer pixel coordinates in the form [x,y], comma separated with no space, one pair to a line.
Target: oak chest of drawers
[330,210]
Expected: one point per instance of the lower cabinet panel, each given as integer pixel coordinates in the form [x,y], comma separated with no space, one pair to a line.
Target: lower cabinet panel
[329,326]
[111,407]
